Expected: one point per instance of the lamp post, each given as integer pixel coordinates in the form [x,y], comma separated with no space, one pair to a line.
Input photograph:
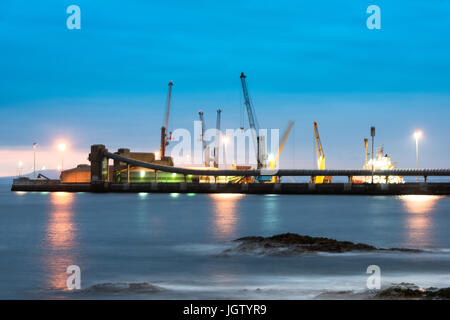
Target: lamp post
[20,168]
[34,159]
[62,148]
[417,136]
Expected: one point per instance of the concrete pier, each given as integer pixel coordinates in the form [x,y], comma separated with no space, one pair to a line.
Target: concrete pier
[250,188]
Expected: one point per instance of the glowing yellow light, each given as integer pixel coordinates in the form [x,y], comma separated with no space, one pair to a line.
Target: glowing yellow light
[20,164]
[142,173]
[174,175]
[62,147]
[157,154]
[225,139]
[418,135]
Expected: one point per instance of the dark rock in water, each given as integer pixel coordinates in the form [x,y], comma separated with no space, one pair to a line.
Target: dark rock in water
[116,288]
[401,291]
[292,244]
[411,291]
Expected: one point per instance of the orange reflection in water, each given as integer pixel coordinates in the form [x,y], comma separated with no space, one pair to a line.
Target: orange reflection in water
[60,239]
[419,220]
[225,214]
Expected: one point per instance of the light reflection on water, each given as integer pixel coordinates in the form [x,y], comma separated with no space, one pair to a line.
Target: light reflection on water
[271,218]
[60,239]
[131,237]
[419,221]
[225,214]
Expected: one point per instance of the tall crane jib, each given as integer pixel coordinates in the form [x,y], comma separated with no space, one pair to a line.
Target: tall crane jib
[165,127]
[320,157]
[258,140]
[273,163]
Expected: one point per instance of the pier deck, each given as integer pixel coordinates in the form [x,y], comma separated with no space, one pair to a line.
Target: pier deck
[250,188]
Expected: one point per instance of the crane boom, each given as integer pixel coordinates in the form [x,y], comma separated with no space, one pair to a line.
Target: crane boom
[320,157]
[318,143]
[165,127]
[253,123]
[286,133]
[218,138]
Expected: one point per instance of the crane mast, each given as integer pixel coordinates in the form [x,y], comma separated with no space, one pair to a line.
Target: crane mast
[366,145]
[165,127]
[202,137]
[258,141]
[218,138]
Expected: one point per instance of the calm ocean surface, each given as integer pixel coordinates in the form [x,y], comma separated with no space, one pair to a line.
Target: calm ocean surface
[174,241]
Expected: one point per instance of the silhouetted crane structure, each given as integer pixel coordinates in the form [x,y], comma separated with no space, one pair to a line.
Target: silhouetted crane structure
[258,141]
[165,127]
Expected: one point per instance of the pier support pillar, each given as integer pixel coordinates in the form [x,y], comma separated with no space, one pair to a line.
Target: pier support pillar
[277,187]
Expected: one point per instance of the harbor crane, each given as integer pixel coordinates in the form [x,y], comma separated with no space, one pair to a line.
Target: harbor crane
[273,163]
[165,127]
[258,141]
[320,158]
[218,140]
[205,148]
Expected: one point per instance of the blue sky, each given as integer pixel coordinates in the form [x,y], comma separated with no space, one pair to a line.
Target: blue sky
[305,61]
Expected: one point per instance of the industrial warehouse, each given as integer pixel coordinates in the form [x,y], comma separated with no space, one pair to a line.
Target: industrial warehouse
[150,172]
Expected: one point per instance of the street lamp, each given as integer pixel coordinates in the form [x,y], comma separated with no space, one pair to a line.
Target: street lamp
[20,168]
[417,136]
[34,159]
[62,147]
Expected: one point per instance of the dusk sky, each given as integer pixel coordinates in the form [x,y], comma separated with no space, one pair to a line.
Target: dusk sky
[305,61]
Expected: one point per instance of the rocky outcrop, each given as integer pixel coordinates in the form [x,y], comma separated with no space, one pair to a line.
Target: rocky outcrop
[289,244]
[400,291]
[120,288]
[412,291]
